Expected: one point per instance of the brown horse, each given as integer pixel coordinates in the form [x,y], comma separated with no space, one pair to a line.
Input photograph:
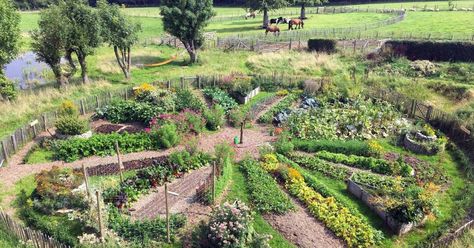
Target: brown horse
[272,29]
[295,22]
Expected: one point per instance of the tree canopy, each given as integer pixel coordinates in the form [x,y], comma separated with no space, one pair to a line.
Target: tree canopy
[186,20]
[9,32]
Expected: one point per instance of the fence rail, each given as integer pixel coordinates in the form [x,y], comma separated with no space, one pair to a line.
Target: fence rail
[32,237]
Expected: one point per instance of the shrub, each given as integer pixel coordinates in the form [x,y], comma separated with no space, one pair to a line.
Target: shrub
[236,117]
[185,121]
[7,89]
[431,50]
[185,99]
[144,92]
[348,147]
[68,108]
[215,117]
[283,145]
[71,125]
[223,151]
[322,45]
[231,226]
[128,111]
[166,136]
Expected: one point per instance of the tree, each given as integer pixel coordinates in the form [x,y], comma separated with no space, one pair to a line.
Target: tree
[305,3]
[83,32]
[265,6]
[186,19]
[49,42]
[120,32]
[9,32]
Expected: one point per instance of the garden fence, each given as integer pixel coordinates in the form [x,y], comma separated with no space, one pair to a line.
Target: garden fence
[26,235]
[448,123]
[11,144]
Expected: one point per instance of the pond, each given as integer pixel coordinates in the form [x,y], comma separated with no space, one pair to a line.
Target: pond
[27,72]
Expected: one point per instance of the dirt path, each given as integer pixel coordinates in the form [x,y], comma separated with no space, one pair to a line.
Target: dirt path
[302,229]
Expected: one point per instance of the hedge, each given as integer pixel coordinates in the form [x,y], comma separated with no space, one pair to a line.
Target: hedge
[322,45]
[430,50]
[350,147]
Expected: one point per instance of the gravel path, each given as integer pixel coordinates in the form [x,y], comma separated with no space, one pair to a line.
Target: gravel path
[302,229]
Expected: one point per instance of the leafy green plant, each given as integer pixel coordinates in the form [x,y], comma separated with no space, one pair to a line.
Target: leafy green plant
[265,193]
[129,111]
[284,104]
[166,136]
[7,88]
[283,145]
[71,125]
[321,166]
[185,99]
[347,147]
[215,117]
[220,97]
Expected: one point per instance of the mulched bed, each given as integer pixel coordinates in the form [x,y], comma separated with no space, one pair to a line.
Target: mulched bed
[113,168]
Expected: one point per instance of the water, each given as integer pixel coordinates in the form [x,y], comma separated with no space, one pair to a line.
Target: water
[27,72]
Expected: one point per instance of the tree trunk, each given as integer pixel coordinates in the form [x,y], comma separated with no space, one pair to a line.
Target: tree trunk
[191,50]
[265,18]
[61,80]
[82,61]
[68,57]
[123,60]
[303,12]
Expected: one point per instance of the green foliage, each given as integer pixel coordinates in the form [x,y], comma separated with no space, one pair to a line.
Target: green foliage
[321,166]
[431,50]
[264,5]
[348,147]
[453,91]
[222,180]
[71,125]
[7,88]
[9,33]
[322,45]
[144,231]
[223,151]
[121,111]
[376,165]
[215,117]
[166,136]
[220,97]
[49,41]
[282,105]
[265,193]
[186,20]
[185,99]
[283,145]
[186,162]
[101,145]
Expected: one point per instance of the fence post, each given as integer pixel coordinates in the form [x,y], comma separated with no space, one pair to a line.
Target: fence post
[15,146]
[290,44]
[412,108]
[99,211]
[214,182]
[44,121]
[198,79]
[126,94]
[168,84]
[86,180]
[182,82]
[4,150]
[119,160]
[168,236]
[97,103]
[429,112]
[83,111]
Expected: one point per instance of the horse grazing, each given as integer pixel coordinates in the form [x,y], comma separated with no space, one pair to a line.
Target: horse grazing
[295,22]
[272,29]
[250,14]
[278,20]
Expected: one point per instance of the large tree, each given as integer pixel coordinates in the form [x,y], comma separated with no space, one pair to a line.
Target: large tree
[9,32]
[83,31]
[265,6]
[305,3]
[49,42]
[186,20]
[119,32]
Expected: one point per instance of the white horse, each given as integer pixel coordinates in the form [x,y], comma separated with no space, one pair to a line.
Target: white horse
[250,14]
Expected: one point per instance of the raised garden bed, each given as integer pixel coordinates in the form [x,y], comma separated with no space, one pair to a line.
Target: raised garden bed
[421,144]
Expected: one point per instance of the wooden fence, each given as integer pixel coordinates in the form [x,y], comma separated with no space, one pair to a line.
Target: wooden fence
[35,238]
[11,144]
[448,123]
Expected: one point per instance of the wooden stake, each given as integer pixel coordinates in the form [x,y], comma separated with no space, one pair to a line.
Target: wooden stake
[86,180]
[119,159]
[242,132]
[99,211]
[168,235]
[214,182]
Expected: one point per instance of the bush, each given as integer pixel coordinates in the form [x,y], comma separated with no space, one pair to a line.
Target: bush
[430,50]
[215,117]
[71,125]
[166,136]
[223,151]
[283,145]
[453,91]
[265,193]
[349,147]
[129,111]
[322,45]
[68,108]
[220,97]
[7,89]
[185,99]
